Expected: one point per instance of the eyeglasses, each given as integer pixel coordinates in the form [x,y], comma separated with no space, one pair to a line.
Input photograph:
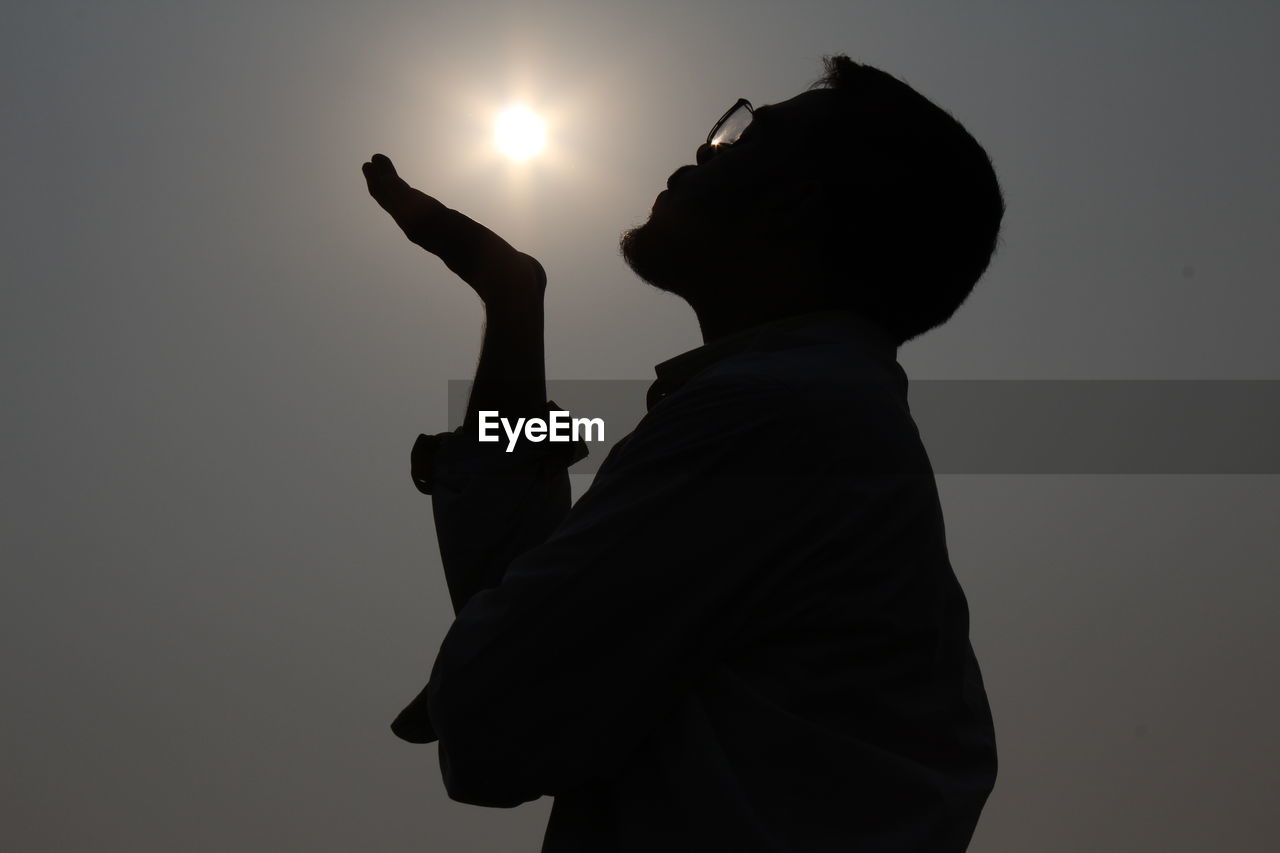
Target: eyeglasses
[732,124]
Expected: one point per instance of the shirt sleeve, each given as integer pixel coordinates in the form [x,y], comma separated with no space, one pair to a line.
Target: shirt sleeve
[558,673]
[489,505]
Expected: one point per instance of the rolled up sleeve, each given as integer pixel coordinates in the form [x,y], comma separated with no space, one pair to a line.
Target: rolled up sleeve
[489,506]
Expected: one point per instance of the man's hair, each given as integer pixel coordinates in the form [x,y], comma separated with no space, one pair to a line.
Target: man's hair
[920,207]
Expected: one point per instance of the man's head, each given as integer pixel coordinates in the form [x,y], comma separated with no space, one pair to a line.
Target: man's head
[858,193]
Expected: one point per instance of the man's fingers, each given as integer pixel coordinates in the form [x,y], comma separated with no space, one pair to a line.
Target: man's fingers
[381,177]
[380,165]
[458,239]
[382,161]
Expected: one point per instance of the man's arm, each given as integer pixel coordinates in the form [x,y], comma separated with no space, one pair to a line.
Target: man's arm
[489,506]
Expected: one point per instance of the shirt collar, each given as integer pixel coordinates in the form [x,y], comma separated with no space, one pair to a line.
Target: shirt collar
[676,371]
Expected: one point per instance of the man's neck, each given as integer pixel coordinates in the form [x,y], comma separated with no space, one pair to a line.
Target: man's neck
[721,321]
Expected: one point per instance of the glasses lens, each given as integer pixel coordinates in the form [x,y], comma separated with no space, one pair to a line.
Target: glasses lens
[732,125]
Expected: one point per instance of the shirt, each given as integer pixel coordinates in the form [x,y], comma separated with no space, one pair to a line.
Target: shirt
[746,634]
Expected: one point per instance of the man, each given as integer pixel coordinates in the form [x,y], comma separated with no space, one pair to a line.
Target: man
[746,635]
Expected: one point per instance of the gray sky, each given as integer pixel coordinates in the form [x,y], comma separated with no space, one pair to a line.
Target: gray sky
[220,585]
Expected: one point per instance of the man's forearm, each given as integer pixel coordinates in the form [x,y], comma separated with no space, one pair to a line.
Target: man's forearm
[511,375]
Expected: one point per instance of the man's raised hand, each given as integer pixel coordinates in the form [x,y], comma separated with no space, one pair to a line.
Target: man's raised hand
[496,271]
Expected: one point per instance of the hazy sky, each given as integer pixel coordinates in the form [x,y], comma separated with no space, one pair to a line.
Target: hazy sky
[220,585]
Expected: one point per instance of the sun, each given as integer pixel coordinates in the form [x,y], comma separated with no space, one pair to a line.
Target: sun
[519,133]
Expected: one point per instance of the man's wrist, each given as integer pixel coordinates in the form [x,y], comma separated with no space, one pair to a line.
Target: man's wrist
[515,309]
[520,295]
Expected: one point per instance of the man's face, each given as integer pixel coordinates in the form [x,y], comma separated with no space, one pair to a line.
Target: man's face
[733,201]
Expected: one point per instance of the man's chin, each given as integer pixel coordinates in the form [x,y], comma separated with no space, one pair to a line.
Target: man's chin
[671,254]
[644,251]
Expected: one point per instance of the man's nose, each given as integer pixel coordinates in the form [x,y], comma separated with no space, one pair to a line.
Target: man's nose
[705,152]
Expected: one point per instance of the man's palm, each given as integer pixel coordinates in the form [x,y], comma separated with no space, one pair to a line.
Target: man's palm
[480,257]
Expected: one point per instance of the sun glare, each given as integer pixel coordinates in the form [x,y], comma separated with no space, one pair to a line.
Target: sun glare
[519,133]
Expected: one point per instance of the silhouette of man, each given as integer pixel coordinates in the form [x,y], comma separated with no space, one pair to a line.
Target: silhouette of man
[747,634]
